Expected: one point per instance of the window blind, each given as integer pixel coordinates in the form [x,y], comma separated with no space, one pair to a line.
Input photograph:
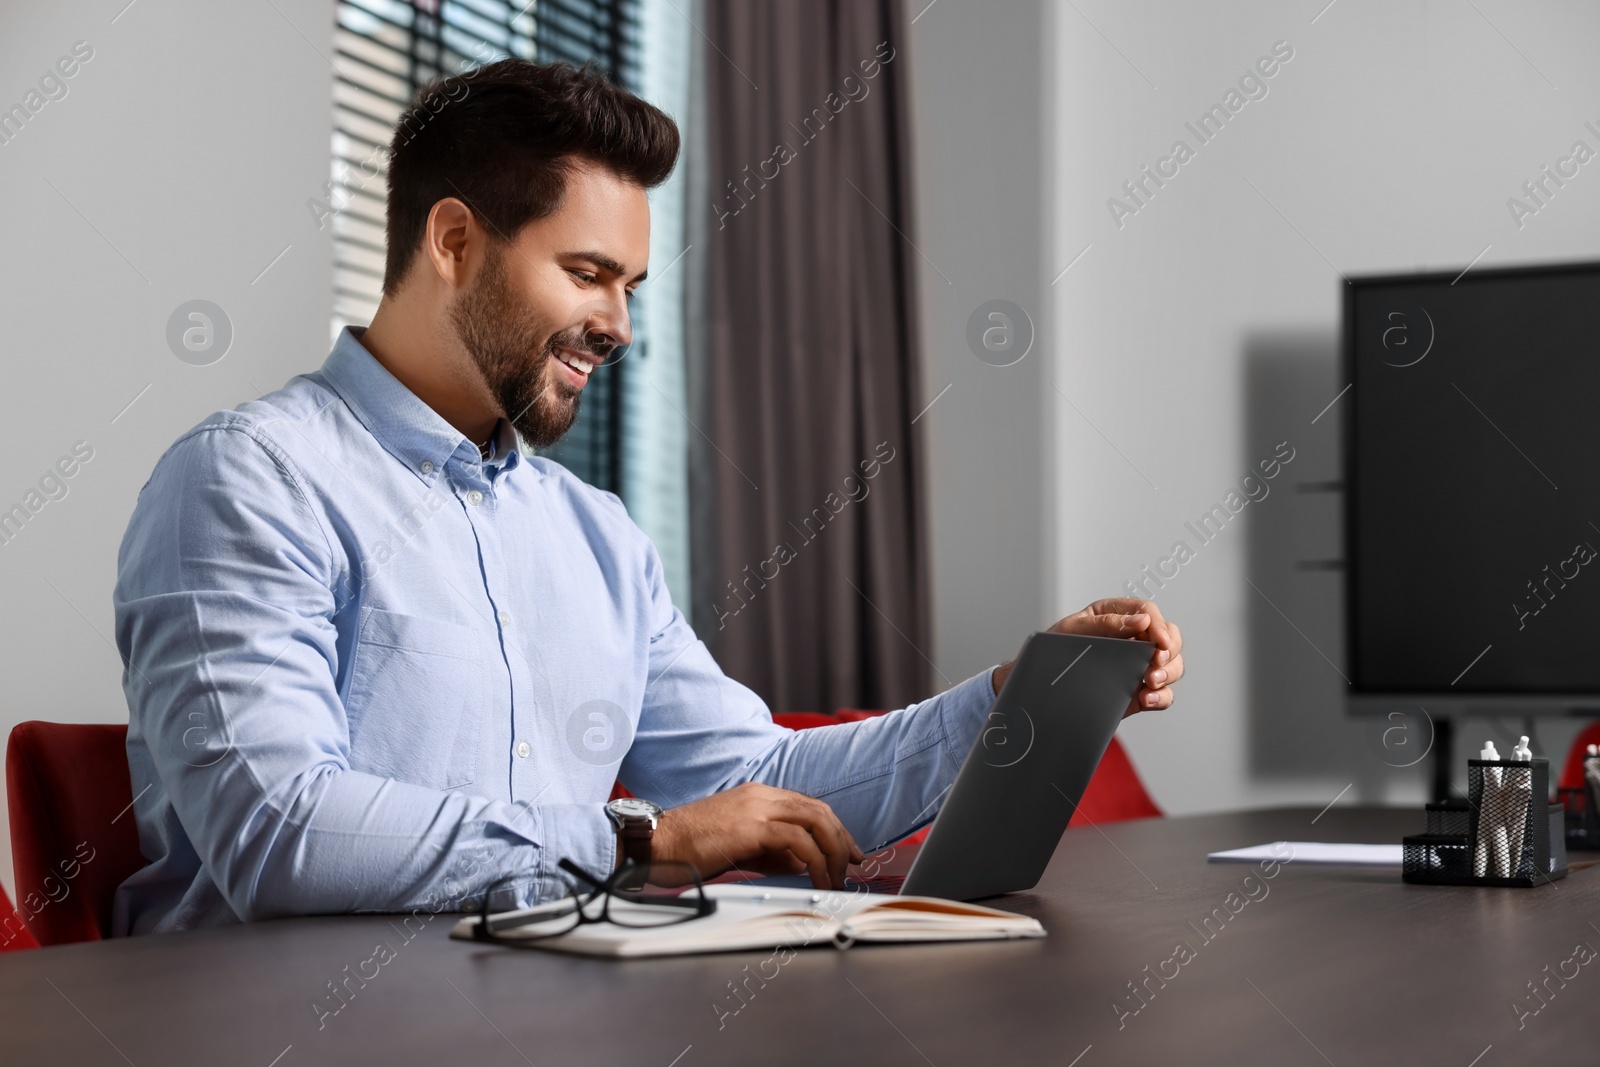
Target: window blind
[656,413]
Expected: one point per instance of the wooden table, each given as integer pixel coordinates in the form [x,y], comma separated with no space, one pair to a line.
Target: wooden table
[1312,966]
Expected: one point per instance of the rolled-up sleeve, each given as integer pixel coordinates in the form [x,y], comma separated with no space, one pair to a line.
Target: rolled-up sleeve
[701,732]
[226,627]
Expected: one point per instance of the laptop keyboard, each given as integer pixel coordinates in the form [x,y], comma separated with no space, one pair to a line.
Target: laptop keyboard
[878,883]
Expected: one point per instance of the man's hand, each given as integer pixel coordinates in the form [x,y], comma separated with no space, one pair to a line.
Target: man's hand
[758,828]
[1133,618]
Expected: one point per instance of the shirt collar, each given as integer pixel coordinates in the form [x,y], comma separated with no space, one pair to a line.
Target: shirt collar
[502,445]
[407,427]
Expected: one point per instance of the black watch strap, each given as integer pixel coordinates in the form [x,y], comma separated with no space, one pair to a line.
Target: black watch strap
[637,833]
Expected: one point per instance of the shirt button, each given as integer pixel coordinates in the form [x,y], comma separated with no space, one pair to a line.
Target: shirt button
[427,466]
[475,498]
[505,618]
[523,749]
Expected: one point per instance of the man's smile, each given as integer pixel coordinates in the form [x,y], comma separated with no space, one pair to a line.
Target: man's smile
[576,366]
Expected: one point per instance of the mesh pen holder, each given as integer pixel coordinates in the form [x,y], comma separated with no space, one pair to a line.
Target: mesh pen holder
[1512,836]
[1452,817]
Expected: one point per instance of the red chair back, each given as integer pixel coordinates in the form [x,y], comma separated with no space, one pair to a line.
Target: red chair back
[74,839]
[14,933]
[1115,793]
[805,720]
[1572,773]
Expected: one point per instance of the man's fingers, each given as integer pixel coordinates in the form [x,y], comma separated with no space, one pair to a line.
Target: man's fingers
[1159,632]
[828,833]
[773,829]
[1156,677]
[779,835]
[1153,699]
[1122,605]
[1164,635]
[1127,605]
[852,851]
[1131,625]
[1103,625]
[1149,700]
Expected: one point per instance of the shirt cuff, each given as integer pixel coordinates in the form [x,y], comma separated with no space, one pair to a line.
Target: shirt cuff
[582,833]
[963,709]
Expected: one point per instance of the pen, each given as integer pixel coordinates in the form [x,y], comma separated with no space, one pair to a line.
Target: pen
[1488,800]
[766,898]
[1519,790]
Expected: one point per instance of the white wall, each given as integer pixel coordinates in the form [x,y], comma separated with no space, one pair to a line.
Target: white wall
[1202,331]
[180,159]
[979,148]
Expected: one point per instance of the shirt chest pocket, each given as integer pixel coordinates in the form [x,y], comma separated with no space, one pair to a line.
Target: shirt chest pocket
[415,699]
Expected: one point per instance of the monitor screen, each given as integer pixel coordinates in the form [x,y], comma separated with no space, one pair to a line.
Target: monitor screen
[1473,482]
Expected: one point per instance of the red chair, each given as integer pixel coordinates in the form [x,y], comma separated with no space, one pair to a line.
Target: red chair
[805,720]
[74,839]
[1115,793]
[14,933]
[1572,773]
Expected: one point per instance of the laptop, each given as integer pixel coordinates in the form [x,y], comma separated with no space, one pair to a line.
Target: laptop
[1022,778]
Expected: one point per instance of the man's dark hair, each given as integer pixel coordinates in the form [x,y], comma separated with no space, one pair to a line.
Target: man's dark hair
[503,139]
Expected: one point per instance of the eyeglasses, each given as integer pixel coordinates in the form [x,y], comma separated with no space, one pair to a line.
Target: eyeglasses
[636,895]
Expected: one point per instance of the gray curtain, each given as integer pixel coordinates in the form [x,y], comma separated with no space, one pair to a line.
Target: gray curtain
[809,547]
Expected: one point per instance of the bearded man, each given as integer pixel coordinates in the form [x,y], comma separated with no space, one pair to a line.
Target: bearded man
[380,657]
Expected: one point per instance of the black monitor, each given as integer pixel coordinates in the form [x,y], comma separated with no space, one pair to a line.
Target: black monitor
[1472,540]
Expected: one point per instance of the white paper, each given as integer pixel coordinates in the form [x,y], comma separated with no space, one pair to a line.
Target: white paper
[1313,852]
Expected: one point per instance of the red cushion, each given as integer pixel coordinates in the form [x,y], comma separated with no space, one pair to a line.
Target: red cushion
[74,838]
[14,933]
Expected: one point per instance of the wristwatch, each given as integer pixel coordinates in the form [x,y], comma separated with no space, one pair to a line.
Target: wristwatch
[635,819]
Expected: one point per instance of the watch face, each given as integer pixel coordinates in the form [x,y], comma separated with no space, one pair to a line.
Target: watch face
[635,807]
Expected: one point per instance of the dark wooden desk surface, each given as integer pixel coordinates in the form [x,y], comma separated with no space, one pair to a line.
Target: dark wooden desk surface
[1332,965]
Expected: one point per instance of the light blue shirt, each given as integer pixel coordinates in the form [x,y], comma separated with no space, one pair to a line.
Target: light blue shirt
[368,670]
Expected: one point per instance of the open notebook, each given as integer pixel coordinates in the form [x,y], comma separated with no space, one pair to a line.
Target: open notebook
[749,918]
